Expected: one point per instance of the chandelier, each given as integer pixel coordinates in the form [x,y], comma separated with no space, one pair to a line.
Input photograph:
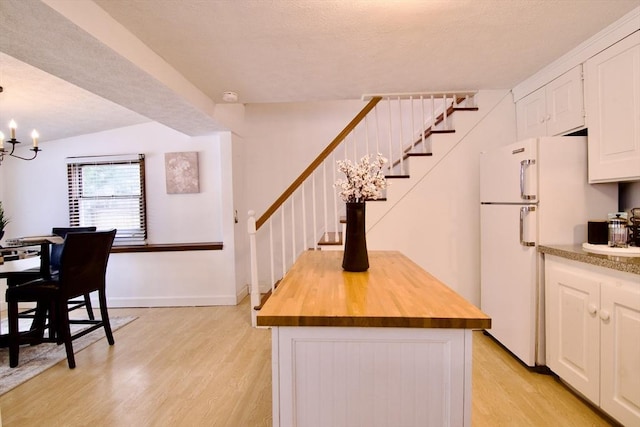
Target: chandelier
[13,141]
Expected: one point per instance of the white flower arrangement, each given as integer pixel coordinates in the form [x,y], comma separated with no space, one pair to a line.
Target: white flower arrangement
[364,180]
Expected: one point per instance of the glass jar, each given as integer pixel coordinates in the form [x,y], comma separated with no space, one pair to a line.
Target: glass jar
[618,232]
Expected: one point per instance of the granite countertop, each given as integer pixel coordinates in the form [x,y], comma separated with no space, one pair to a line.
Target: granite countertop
[576,253]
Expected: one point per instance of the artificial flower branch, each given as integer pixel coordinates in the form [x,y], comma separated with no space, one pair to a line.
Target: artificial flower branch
[364,180]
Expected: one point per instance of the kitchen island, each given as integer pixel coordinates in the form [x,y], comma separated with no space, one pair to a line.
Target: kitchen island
[387,347]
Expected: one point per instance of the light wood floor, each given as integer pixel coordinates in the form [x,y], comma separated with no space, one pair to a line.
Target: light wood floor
[206,366]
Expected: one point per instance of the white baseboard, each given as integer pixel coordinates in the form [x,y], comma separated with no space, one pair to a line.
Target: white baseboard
[172,301]
[242,293]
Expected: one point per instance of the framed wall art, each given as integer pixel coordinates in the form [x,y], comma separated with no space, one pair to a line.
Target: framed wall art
[181,171]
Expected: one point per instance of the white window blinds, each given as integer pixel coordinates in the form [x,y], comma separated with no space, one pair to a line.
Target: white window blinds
[109,192]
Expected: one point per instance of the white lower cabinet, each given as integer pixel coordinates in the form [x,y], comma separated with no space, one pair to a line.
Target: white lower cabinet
[593,334]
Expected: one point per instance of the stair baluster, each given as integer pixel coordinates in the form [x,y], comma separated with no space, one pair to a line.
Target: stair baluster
[335,199]
[445,125]
[293,229]
[390,133]
[375,111]
[315,218]
[401,125]
[304,219]
[424,145]
[272,260]
[366,132]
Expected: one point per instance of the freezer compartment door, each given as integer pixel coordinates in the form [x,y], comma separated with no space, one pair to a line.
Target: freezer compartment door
[508,290]
[509,174]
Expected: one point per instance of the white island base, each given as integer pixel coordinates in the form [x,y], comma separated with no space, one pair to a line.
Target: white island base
[369,377]
[390,347]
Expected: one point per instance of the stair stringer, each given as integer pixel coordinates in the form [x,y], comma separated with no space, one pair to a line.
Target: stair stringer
[435,220]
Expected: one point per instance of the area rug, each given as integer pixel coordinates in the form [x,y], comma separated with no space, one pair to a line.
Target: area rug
[36,359]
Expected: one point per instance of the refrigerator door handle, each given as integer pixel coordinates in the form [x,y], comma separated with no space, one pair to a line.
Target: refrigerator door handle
[523,165]
[523,212]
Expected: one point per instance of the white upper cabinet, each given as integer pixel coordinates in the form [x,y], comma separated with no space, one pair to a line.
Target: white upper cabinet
[612,89]
[555,109]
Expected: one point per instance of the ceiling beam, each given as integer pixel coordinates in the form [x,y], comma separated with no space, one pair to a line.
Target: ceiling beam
[80,43]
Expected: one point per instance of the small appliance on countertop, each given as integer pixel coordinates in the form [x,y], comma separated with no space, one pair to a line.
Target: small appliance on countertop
[598,232]
[618,231]
[618,236]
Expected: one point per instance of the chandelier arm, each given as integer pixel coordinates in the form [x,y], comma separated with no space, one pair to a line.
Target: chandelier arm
[13,143]
[35,154]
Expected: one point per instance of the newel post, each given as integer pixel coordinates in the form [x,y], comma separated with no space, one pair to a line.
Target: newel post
[255,289]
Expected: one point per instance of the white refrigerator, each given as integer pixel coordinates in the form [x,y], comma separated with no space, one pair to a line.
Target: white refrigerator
[533,192]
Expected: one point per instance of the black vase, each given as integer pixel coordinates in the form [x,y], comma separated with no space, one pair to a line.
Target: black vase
[355,246]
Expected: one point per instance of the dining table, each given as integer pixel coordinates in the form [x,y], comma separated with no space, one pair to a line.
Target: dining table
[24,255]
[19,248]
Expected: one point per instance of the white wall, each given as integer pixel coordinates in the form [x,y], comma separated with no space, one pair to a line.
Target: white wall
[281,140]
[35,196]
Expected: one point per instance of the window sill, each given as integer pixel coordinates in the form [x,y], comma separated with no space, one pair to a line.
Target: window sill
[168,247]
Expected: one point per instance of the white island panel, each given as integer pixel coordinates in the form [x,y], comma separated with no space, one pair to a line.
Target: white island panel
[386,377]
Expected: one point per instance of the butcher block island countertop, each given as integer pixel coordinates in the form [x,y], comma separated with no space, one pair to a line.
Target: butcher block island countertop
[394,292]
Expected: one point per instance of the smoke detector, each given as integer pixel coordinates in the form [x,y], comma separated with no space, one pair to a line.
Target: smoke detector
[230,97]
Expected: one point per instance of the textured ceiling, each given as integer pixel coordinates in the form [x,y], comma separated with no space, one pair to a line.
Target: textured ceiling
[35,99]
[274,51]
[285,50]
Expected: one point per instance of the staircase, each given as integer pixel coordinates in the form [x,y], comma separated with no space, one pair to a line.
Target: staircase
[414,132]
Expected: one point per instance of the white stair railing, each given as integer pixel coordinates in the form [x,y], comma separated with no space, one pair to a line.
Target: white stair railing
[289,216]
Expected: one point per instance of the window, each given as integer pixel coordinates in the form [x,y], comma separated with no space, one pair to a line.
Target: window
[108,192]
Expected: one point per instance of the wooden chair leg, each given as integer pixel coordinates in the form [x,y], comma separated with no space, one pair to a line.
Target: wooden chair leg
[105,317]
[53,323]
[64,332]
[39,319]
[87,304]
[14,333]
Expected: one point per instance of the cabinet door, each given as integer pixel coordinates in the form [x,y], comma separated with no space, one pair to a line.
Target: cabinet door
[613,111]
[572,327]
[620,354]
[530,115]
[565,103]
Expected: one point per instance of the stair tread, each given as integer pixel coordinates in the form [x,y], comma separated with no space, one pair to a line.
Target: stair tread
[264,297]
[443,131]
[419,154]
[465,108]
[329,238]
[396,176]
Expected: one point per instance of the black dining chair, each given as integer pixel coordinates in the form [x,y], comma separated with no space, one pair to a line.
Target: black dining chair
[19,277]
[54,262]
[83,267]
